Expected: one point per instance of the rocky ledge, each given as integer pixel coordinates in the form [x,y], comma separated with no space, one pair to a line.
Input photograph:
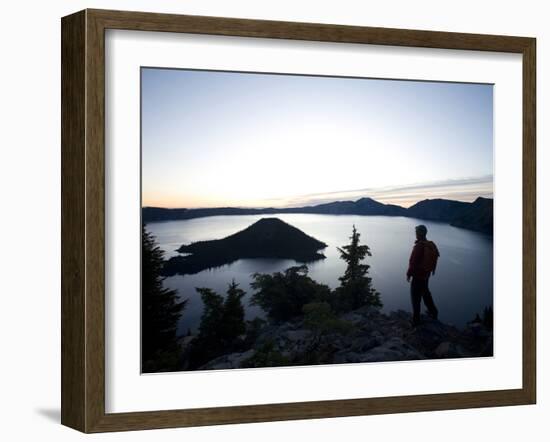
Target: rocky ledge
[363,335]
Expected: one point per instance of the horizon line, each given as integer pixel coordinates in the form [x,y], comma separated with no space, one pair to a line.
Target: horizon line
[311,205]
[465,189]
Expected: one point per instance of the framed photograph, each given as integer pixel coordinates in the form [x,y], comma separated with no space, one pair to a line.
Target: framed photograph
[270,220]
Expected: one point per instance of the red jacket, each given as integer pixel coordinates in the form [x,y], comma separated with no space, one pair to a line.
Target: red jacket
[417,263]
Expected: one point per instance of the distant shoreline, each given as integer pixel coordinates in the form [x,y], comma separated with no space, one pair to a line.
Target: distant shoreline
[476,216]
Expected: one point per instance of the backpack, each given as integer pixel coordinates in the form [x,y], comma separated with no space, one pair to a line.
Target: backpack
[430,256]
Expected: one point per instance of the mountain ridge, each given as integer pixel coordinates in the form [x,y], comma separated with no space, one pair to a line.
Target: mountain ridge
[477,215]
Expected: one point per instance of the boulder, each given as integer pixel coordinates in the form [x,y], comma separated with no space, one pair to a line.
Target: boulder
[343,357]
[449,350]
[297,335]
[395,349]
[364,343]
[429,334]
[354,317]
[232,360]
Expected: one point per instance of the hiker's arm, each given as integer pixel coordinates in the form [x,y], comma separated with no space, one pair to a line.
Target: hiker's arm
[437,259]
[414,260]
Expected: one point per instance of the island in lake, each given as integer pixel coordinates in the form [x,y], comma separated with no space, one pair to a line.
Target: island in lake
[303,321]
[266,238]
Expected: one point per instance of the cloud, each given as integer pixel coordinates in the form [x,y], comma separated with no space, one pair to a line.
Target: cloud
[462,189]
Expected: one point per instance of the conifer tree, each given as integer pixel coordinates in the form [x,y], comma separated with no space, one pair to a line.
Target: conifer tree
[161,311]
[222,323]
[212,315]
[355,285]
[233,314]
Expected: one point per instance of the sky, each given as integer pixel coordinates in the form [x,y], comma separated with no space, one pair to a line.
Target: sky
[220,139]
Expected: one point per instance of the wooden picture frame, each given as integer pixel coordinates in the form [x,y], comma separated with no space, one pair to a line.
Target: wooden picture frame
[83,220]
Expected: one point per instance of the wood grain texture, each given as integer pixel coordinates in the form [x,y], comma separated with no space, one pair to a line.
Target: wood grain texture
[144,21]
[307,410]
[95,222]
[529,221]
[83,220]
[73,253]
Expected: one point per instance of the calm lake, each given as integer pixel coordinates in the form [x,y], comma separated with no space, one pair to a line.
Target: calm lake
[461,287]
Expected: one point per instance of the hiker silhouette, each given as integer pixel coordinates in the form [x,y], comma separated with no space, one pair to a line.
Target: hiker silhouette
[422,264]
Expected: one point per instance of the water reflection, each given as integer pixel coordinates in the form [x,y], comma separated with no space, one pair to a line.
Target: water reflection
[462,286]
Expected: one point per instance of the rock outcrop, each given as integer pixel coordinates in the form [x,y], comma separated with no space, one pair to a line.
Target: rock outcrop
[372,336]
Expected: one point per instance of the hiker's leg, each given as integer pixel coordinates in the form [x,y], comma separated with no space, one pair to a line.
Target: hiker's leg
[416,297]
[429,302]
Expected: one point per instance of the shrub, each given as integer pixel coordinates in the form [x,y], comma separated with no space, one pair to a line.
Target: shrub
[283,295]
[266,356]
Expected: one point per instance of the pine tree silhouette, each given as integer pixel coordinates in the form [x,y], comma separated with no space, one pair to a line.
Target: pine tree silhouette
[222,324]
[160,311]
[355,286]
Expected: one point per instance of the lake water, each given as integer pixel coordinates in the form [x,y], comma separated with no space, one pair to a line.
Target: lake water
[461,287]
